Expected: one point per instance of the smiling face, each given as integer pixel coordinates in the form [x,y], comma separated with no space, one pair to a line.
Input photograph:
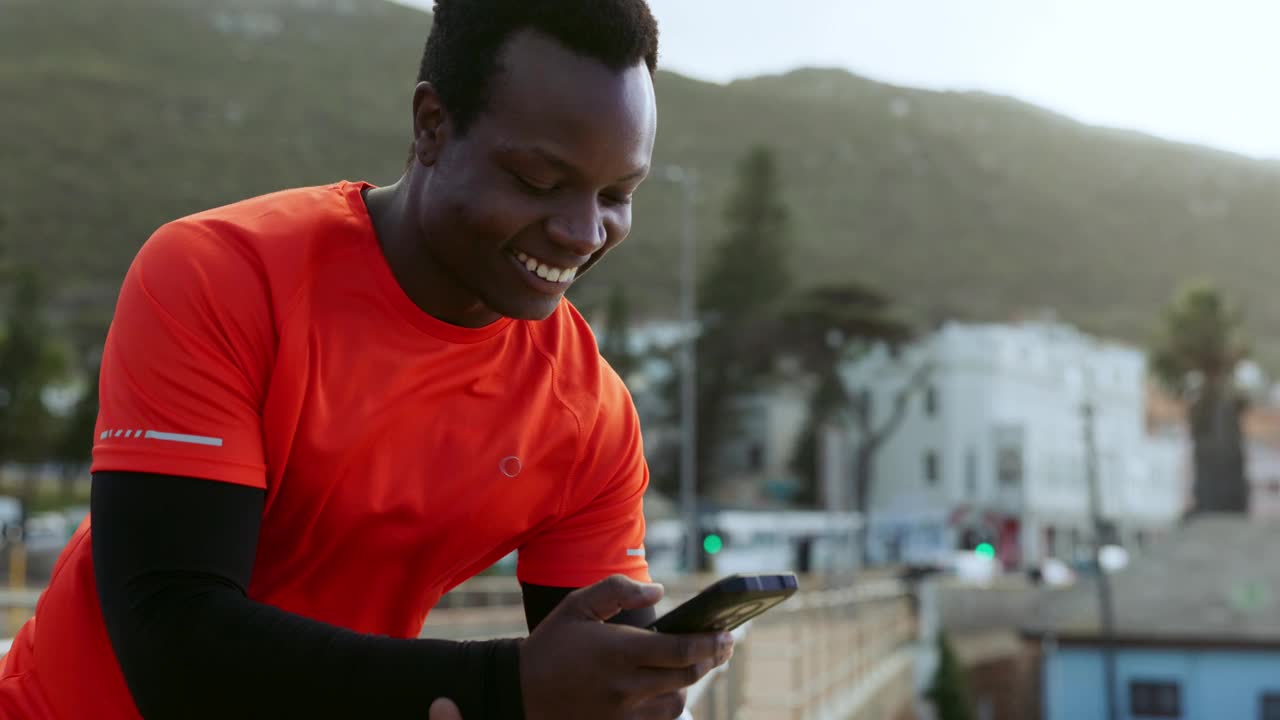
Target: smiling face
[539,188]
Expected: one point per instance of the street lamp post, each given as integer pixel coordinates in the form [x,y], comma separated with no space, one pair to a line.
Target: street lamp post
[688,182]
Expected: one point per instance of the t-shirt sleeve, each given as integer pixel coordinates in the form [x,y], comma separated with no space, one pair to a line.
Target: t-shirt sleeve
[602,533]
[185,366]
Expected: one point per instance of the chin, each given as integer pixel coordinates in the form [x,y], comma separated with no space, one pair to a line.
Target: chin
[535,309]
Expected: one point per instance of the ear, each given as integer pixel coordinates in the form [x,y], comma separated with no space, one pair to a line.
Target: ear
[430,124]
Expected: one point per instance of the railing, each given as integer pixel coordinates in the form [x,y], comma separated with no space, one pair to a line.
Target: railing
[18,606]
[831,654]
[842,653]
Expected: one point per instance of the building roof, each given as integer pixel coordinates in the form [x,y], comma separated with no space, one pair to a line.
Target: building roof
[1212,581]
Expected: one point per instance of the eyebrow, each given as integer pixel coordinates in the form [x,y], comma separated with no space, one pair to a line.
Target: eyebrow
[563,165]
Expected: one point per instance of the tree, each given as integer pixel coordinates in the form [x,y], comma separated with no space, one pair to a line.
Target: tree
[75,444]
[29,362]
[822,327]
[872,436]
[949,691]
[617,340]
[1197,349]
[750,273]
[743,285]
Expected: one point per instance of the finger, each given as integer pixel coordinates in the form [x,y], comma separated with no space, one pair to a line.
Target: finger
[611,596]
[444,709]
[653,682]
[656,650]
[667,706]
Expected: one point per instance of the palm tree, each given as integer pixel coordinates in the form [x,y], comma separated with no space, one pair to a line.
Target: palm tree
[1197,350]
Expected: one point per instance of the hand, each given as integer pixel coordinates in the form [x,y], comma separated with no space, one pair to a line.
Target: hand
[444,709]
[574,665]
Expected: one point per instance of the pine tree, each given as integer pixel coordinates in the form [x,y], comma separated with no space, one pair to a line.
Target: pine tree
[949,692]
[29,362]
[750,273]
[617,333]
[744,283]
[75,443]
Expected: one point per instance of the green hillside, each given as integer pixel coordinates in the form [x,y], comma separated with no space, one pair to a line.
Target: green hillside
[116,115]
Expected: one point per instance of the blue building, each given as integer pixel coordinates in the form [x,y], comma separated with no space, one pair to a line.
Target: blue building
[1197,631]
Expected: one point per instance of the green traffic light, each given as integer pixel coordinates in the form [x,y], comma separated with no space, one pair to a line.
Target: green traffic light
[712,544]
[985,550]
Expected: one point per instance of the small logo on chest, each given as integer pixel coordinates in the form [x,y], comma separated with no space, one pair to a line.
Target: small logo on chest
[510,466]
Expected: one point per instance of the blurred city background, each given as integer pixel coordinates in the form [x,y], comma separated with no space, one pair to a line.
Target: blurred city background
[962,311]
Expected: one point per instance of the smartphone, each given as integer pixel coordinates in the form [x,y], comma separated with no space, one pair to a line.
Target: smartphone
[728,603]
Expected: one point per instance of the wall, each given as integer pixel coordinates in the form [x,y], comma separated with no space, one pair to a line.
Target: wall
[1216,685]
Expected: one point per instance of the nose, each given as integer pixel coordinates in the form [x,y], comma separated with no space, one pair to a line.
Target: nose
[578,228]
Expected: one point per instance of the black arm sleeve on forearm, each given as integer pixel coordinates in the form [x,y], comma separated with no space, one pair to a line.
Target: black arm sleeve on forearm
[173,557]
[540,600]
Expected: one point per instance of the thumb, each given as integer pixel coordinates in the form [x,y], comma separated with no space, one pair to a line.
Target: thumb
[611,596]
[444,709]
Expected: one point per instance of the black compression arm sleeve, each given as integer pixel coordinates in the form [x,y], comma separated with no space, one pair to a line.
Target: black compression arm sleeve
[173,557]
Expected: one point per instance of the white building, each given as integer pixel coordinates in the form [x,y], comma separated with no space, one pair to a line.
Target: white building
[992,449]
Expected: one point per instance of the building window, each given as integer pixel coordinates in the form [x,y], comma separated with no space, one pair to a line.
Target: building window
[1155,699]
[931,469]
[1009,455]
[971,471]
[1009,465]
[1269,706]
[931,401]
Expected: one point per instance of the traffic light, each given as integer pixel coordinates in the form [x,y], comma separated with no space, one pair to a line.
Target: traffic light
[712,544]
[980,540]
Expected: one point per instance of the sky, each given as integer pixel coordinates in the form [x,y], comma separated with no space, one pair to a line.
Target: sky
[1199,71]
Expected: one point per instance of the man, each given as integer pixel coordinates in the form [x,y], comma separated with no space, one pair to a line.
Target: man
[323,408]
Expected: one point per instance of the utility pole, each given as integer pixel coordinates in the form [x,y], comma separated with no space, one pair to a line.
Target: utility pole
[1101,530]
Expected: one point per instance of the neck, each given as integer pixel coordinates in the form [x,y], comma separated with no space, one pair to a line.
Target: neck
[420,275]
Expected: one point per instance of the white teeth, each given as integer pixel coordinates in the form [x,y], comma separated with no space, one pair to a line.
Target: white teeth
[544,271]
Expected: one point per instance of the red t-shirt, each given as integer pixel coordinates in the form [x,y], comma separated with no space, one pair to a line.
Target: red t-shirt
[267,344]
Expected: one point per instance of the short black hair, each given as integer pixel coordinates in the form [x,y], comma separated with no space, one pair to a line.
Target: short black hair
[461,56]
